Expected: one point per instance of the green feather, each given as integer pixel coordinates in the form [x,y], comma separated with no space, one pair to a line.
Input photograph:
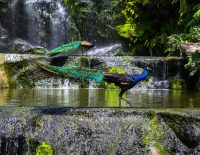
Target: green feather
[80,73]
[67,48]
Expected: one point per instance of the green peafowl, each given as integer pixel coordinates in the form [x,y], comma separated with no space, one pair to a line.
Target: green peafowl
[60,54]
[123,81]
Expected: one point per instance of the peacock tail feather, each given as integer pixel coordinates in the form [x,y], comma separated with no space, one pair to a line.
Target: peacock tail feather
[67,48]
[85,74]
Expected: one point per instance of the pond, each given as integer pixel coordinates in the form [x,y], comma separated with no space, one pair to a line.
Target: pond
[138,98]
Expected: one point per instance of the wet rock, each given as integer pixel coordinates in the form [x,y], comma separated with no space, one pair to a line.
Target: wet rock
[23,47]
[4,39]
[186,128]
[3,80]
[98,131]
[16,145]
[190,47]
[3,77]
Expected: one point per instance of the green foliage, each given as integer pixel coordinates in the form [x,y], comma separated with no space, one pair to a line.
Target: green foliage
[175,41]
[19,74]
[189,26]
[155,137]
[125,30]
[92,18]
[194,63]
[189,14]
[146,23]
[154,26]
[148,27]
[44,149]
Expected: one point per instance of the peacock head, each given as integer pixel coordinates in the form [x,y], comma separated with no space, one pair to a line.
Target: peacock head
[88,44]
[149,69]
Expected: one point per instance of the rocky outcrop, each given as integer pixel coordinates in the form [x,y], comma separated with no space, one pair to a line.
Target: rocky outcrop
[190,48]
[98,131]
[38,23]
[23,47]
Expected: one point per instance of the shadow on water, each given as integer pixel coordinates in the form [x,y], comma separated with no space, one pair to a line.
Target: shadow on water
[99,98]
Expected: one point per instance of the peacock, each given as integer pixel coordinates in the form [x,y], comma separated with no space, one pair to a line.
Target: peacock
[123,81]
[60,54]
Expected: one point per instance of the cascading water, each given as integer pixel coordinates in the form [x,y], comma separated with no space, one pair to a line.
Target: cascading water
[41,22]
[110,50]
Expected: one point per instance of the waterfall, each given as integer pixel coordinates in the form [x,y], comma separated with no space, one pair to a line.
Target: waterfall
[109,50]
[41,22]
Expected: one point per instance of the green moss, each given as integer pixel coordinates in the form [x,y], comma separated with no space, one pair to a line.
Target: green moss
[118,70]
[36,122]
[147,140]
[9,72]
[44,149]
[155,137]
[177,84]
[19,74]
[39,51]
[84,62]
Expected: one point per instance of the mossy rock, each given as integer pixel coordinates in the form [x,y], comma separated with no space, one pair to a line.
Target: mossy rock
[44,149]
[36,50]
[115,69]
[177,84]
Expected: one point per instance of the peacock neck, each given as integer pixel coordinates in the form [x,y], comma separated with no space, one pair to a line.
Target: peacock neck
[141,76]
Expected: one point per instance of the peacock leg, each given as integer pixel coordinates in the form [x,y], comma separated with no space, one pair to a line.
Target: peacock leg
[127,102]
[120,102]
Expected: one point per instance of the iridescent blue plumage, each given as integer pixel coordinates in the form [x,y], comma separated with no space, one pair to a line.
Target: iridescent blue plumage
[125,82]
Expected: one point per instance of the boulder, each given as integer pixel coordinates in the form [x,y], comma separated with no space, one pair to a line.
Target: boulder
[24,47]
[190,48]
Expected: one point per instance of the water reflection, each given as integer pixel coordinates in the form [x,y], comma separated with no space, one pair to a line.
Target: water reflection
[99,98]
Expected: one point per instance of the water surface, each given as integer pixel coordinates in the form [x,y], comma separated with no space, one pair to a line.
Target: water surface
[99,98]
